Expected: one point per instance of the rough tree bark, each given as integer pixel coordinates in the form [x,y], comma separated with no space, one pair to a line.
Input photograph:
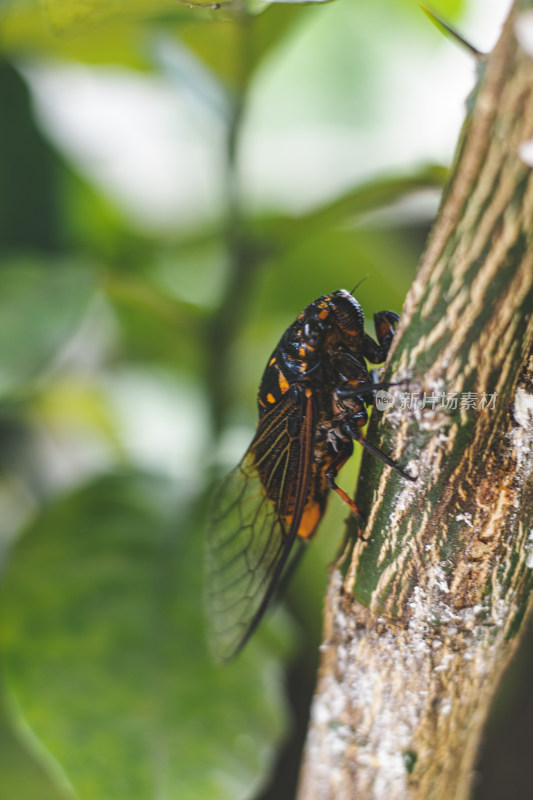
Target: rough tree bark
[423,617]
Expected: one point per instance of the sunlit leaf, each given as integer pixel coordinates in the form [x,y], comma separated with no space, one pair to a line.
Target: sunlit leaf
[448,8]
[103,640]
[73,405]
[97,32]
[65,15]
[92,33]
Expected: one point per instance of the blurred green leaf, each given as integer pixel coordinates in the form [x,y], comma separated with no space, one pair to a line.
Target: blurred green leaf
[279,232]
[268,30]
[297,2]
[23,775]
[45,204]
[28,218]
[376,194]
[154,325]
[234,48]
[103,642]
[74,403]
[65,15]
[450,32]
[41,305]
[450,9]
[96,34]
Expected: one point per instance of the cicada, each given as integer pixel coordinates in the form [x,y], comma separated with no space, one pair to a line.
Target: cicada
[312,407]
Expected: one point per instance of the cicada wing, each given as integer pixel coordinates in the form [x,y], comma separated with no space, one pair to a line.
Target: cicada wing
[246,542]
[253,522]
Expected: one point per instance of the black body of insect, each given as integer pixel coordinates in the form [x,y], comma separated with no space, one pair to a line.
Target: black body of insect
[311,404]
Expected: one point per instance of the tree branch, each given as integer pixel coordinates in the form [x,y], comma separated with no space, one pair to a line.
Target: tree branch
[423,617]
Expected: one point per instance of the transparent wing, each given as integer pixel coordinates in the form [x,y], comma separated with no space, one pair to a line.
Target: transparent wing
[253,521]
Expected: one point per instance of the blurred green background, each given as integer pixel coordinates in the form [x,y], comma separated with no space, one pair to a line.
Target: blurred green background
[176,184]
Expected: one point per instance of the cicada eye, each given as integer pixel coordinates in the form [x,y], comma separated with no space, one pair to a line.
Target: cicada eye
[313,332]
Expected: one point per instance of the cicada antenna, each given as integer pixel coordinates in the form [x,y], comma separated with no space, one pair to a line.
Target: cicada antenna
[357,285]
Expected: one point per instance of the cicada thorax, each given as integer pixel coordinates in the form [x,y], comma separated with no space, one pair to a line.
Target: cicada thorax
[299,401]
[325,344]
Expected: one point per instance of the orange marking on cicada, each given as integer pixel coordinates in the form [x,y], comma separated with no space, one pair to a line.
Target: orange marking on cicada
[310,519]
[283,382]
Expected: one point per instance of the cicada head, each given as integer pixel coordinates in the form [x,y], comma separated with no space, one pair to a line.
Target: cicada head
[333,319]
[348,313]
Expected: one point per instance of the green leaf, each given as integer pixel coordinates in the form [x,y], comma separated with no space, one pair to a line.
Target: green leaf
[154,326]
[298,2]
[22,773]
[234,47]
[29,207]
[41,304]
[280,232]
[97,32]
[69,14]
[102,636]
[92,33]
